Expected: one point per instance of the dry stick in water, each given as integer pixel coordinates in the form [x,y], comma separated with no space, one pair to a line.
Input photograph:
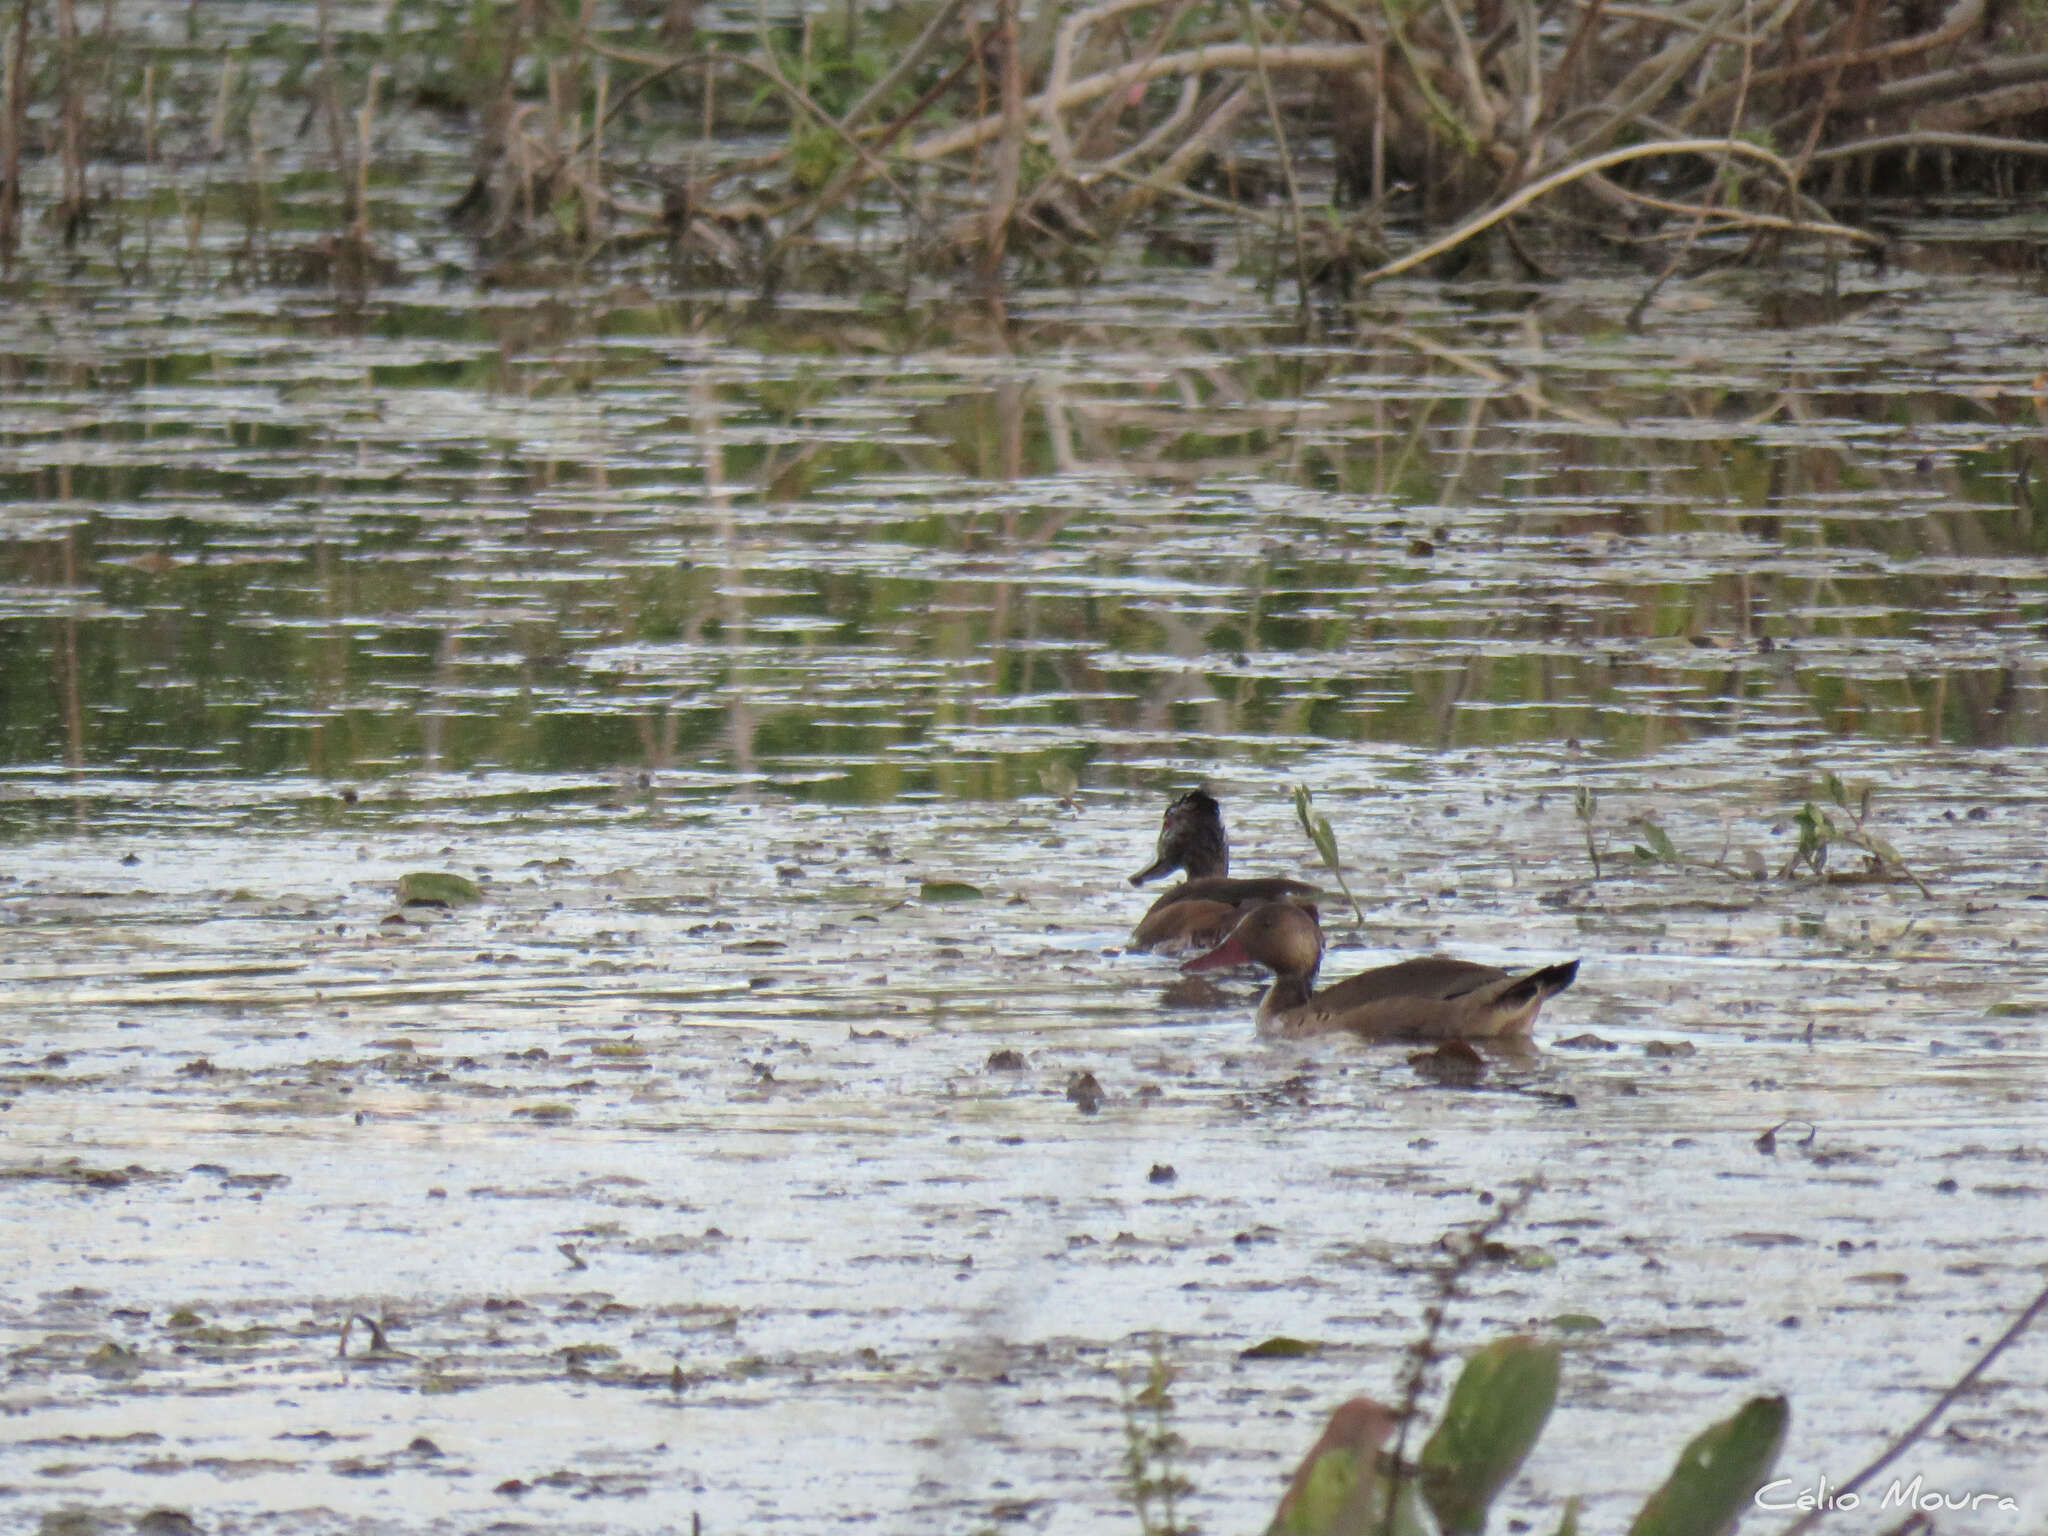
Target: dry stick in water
[927,40]
[217,125]
[1961,17]
[1109,105]
[16,127]
[330,112]
[1048,101]
[1985,143]
[1634,322]
[73,112]
[1166,178]
[1009,153]
[1600,162]
[1925,1422]
[148,166]
[363,121]
[1320,57]
[771,70]
[1251,27]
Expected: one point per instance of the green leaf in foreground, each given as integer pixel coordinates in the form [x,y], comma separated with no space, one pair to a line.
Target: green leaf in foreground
[1718,1474]
[1497,1409]
[1325,838]
[1340,1489]
[430,888]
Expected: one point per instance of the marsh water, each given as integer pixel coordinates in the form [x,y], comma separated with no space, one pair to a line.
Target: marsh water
[799,689]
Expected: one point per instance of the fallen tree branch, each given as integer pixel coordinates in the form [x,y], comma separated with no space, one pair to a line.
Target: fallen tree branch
[1601,162]
[1962,16]
[1985,143]
[1320,57]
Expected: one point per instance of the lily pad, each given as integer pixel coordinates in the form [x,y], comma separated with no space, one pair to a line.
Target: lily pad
[948,890]
[431,888]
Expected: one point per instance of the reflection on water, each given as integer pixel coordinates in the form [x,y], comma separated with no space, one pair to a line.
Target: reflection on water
[472,538]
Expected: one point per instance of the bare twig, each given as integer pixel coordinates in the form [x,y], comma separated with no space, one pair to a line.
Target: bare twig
[1251,27]
[1925,1422]
[16,127]
[1634,322]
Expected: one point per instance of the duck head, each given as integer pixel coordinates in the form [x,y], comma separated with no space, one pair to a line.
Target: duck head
[1190,838]
[1283,936]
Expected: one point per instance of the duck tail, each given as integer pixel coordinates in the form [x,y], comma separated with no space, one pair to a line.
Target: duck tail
[1538,986]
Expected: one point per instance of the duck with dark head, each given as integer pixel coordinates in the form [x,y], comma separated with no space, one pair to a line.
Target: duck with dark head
[1432,997]
[1200,912]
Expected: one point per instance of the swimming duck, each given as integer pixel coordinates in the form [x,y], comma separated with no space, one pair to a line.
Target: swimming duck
[1432,997]
[1200,912]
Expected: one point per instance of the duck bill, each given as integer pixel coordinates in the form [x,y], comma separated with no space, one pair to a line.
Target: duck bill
[1152,871]
[1230,952]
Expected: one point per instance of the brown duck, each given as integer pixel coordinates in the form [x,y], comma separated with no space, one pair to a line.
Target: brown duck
[1432,997]
[1202,909]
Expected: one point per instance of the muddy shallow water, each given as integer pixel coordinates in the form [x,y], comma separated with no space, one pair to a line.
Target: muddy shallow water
[676,1175]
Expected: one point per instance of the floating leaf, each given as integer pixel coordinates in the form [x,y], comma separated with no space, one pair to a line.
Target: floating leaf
[1279,1347]
[948,890]
[1497,1409]
[430,888]
[1718,1474]
[1577,1322]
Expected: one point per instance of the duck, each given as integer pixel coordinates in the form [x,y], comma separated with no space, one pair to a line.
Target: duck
[1431,997]
[1199,912]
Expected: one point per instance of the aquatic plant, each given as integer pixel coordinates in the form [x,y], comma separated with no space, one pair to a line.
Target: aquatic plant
[1818,832]
[1584,805]
[1657,848]
[1324,837]
[1490,1423]
[1153,1448]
